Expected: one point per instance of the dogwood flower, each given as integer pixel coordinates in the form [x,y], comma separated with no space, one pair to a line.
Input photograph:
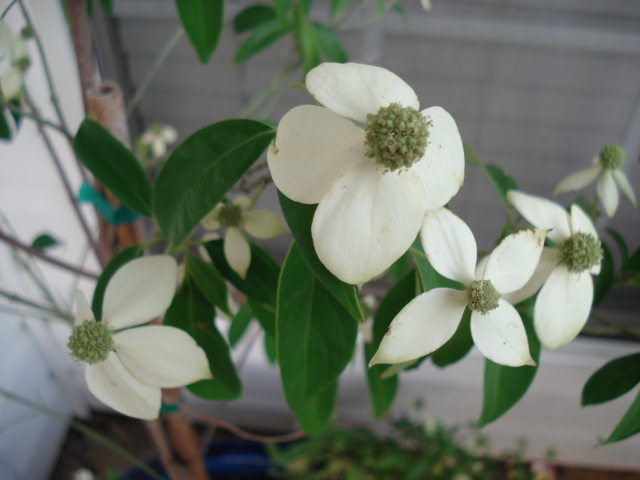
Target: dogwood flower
[564,301]
[157,137]
[430,320]
[235,217]
[127,367]
[607,165]
[373,185]
[14,54]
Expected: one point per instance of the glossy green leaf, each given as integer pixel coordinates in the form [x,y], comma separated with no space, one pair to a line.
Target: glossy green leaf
[252,16]
[261,281]
[299,218]
[501,181]
[315,415]
[621,244]
[193,313]
[629,424]
[265,314]
[271,347]
[114,166]
[632,265]
[604,280]
[308,47]
[316,335]
[107,7]
[208,280]
[337,8]
[44,241]
[457,346]
[283,9]
[261,38]
[329,43]
[202,22]
[114,264]
[202,170]
[612,380]
[383,391]
[5,129]
[505,386]
[239,324]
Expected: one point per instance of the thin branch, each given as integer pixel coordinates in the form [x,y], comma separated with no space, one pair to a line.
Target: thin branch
[24,301]
[37,253]
[36,118]
[6,10]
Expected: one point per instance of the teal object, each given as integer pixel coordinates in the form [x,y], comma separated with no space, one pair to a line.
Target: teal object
[121,216]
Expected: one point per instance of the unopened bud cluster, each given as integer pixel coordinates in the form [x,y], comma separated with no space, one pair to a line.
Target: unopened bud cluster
[482,296]
[230,215]
[91,341]
[612,157]
[396,136]
[580,252]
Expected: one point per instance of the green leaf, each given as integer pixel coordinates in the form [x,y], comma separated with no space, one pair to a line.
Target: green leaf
[107,7]
[612,380]
[629,424]
[315,415]
[383,391]
[262,37]
[632,265]
[202,169]
[265,314]
[330,44]
[5,129]
[239,324]
[604,280]
[252,16]
[118,260]
[299,218]
[505,386]
[283,9]
[193,313]
[44,241]
[114,166]
[309,47]
[208,281]
[271,347]
[261,281]
[457,346]
[501,181]
[202,22]
[316,335]
[622,245]
[337,8]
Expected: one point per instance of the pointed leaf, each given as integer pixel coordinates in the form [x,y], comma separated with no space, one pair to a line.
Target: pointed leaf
[501,181]
[262,37]
[299,218]
[337,7]
[5,129]
[202,169]
[202,22]
[265,314]
[629,424]
[193,313]
[622,245]
[315,414]
[632,265]
[114,166]
[457,346]
[44,241]
[612,380]
[604,280]
[239,324]
[208,280]
[271,347]
[330,44]
[252,16]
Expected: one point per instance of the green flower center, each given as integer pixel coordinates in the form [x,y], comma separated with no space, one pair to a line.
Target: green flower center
[397,136]
[23,63]
[580,252]
[230,215]
[612,157]
[91,341]
[482,296]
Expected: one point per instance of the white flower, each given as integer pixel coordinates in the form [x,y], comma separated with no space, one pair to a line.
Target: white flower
[14,55]
[607,165]
[564,302]
[127,367]
[371,198]
[158,137]
[430,320]
[234,217]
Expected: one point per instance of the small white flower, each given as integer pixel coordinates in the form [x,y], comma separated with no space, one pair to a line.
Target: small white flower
[157,137]
[83,474]
[564,301]
[14,57]
[430,320]
[127,367]
[234,217]
[607,165]
[372,185]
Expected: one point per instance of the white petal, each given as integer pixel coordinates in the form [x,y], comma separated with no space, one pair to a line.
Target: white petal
[608,193]
[577,180]
[237,251]
[423,326]
[115,386]
[542,213]
[243,202]
[83,310]
[580,221]
[140,291]
[169,134]
[450,245]
[158,147]
[623,182]
[353,90]
[562,307]
[442,167]
[11,83]
[501,337]
[513,262]
[210,221]
[263,224]
[367,221]
[549,260]
[313,148]
[161,356]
